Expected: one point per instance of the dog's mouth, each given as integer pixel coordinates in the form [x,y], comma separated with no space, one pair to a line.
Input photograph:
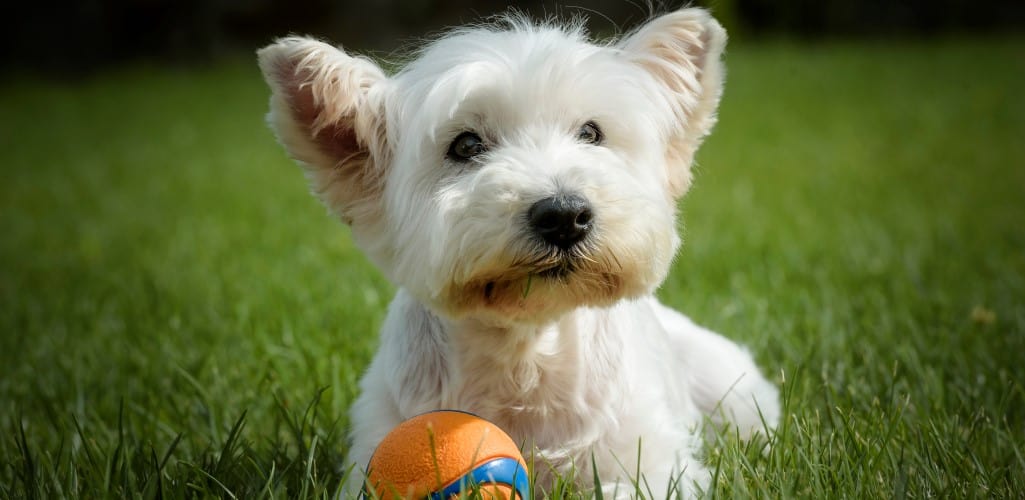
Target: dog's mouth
[558,269]
[536,286]
[558,265]
[529,281]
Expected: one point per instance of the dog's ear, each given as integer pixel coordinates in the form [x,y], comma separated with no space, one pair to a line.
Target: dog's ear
[682,51]
[326,109]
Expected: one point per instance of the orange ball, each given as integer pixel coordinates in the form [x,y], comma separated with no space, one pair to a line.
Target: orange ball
[438,454]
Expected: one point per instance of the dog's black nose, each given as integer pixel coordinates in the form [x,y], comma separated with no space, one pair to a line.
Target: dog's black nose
[562,220]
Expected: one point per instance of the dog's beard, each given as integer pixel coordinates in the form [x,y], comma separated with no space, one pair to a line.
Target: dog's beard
[550,262]
[543,281]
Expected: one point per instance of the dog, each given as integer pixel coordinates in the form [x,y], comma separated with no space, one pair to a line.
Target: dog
[519,182]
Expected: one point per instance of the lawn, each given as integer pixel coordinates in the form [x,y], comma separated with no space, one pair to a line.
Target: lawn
[180,318]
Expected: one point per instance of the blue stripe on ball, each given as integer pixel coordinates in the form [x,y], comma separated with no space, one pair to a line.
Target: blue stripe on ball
[507,471]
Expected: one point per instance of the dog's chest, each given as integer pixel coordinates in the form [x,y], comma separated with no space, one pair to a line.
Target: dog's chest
[547,392]
[546,387]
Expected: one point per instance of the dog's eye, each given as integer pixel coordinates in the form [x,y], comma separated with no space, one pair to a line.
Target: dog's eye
[589,133]
[466,146]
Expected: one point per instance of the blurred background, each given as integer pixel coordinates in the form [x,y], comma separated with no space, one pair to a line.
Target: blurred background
[72,38]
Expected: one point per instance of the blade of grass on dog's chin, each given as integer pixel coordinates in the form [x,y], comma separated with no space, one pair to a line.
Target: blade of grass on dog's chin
[526,290]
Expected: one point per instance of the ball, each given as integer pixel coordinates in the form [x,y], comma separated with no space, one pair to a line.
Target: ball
[437,455]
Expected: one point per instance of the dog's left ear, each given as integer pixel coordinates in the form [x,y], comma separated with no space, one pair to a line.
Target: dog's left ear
[682,51]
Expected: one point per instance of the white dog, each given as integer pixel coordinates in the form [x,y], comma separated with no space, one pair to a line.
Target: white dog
[520,184]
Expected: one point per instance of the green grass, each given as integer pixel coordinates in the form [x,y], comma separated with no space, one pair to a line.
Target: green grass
[180,318]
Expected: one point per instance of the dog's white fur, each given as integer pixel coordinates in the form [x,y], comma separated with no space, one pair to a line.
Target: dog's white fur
[576,365]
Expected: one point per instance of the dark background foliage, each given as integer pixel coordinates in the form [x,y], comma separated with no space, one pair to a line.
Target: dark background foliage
[71,38]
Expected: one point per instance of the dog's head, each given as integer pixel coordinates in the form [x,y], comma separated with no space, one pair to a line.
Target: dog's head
[512,171]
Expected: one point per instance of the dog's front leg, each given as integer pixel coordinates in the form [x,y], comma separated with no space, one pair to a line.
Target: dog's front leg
[372,416]
[407,377]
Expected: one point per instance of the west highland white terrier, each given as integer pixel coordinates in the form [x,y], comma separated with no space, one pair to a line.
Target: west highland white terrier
[519,184]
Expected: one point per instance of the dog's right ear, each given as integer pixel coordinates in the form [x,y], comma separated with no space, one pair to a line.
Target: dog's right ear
[326,109]
[682,51]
